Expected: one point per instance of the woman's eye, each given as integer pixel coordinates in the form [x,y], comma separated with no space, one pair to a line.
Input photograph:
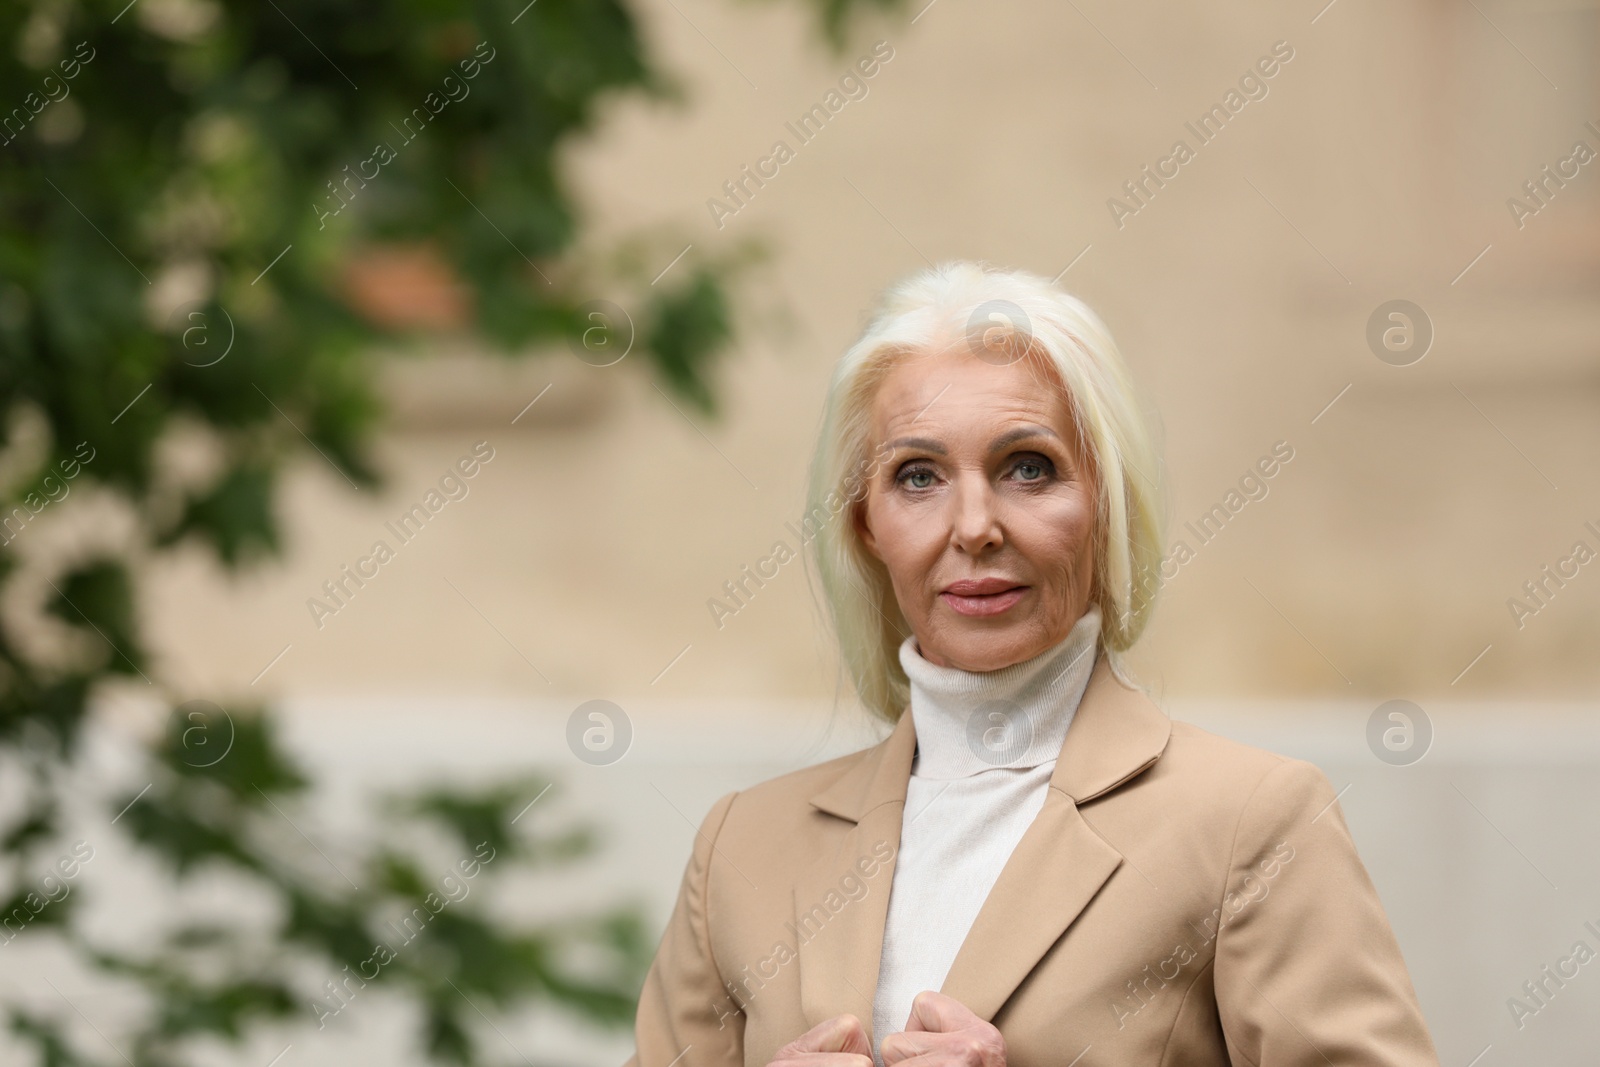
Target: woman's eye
[915,476]
[1030,470]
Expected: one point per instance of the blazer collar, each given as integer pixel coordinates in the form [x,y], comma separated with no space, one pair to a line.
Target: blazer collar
[1116,733]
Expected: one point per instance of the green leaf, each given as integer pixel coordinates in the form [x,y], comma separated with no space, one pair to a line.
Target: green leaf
[98,596]
[689,325]
[235,515]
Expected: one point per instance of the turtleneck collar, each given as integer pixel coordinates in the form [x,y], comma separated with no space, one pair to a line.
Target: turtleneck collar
[1015,717]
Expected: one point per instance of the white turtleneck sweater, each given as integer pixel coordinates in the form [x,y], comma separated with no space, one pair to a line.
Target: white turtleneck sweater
[987,744]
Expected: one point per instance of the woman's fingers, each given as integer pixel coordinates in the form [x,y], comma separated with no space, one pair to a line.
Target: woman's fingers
[837,1042]
[963,1048]
[935,1012]
[822,1059]
[943,1031]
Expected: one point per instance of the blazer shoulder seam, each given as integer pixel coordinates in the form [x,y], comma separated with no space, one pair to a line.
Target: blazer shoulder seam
[725,802]
[1279,762]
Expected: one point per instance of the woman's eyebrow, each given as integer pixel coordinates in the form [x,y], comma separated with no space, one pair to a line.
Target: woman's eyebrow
[922,444]
[1021,433]
[1010,437]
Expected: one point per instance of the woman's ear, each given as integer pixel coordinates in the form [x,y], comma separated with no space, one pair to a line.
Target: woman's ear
[858,519]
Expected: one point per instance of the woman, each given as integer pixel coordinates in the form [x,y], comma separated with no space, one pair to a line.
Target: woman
[1037,868]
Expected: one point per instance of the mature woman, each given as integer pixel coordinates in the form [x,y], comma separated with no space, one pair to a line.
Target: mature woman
[1037,868]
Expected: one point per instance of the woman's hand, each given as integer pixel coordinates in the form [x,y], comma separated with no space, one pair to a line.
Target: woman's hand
[838,1042]
[943,1032]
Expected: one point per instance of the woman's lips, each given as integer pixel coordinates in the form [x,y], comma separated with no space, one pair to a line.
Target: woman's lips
[984,604]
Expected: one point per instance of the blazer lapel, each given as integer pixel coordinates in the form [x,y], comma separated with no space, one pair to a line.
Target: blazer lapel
[839,963]
[1058,866]
[1060,863]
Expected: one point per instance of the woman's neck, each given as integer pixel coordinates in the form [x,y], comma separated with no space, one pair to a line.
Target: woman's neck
[1015,717]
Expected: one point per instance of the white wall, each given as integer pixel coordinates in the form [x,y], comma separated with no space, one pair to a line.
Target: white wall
[1484,851]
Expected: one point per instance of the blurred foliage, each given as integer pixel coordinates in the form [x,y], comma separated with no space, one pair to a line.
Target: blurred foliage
[392,914]
[836,17]
[188,191]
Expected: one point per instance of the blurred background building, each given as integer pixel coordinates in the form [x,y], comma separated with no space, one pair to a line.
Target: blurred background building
[1440,153]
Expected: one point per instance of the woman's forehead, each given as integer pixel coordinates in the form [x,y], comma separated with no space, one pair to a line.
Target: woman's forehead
[946,386]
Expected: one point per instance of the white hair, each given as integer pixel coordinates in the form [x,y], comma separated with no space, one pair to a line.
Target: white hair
[918,315]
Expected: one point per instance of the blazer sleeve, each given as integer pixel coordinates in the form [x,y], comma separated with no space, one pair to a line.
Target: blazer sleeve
[686,1017]
[1308,971]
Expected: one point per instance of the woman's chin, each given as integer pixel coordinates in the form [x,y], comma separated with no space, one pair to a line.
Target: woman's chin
[987,647]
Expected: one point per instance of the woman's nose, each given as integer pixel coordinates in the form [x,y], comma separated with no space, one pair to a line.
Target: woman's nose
[975,521]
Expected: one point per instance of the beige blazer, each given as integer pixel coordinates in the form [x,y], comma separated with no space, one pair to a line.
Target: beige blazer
[1180,900]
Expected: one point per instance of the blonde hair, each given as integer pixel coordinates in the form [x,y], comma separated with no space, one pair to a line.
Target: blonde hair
[917,315]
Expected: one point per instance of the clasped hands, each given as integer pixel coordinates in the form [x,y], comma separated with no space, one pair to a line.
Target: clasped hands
[941,1032]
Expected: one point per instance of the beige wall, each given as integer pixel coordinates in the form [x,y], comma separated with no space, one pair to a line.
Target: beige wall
[1378,166]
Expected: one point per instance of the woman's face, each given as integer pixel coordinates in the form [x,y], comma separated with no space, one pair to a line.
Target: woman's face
[984,513]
